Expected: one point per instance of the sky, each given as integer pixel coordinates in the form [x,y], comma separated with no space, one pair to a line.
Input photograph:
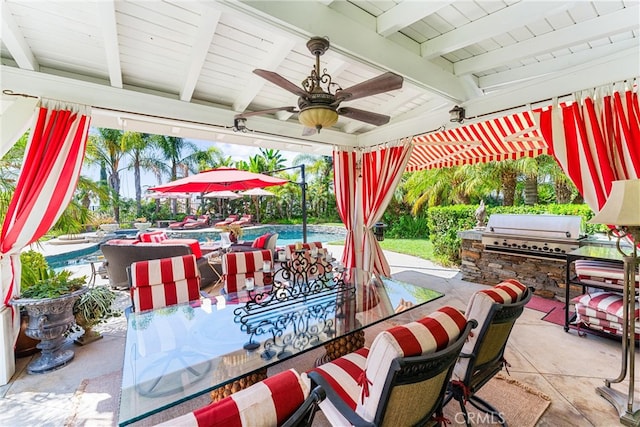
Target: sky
[127,184]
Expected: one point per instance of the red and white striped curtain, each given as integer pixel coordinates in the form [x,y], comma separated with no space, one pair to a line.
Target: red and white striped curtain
[596,139]
[364,185]
[49,175]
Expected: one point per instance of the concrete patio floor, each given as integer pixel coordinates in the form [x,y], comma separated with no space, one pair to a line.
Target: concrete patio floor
[562,365]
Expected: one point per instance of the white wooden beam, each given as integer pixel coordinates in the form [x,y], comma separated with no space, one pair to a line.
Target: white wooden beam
[198,54]
[312,18]
[559,64]
[603,26]
[281,48]
[606,70]
[14,41]
[500,22]
[406,13]
[106,15]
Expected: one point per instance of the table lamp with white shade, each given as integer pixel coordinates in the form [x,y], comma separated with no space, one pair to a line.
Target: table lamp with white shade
[622,210]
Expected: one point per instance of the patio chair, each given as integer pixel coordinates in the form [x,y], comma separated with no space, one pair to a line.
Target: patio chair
[401,380]
[496,310]
[238,266]
[227,221]
[162,282]
[246,219]
[281,400]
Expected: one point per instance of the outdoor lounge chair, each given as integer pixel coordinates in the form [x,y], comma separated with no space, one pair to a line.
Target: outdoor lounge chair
[227,221]
[201,222]
[281,400]
[246,219]
[401,380]
[496,309]
[179,224]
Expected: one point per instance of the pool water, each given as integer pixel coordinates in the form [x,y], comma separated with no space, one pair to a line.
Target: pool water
[287,235]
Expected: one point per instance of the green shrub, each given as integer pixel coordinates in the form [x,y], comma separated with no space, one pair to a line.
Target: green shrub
[445,222]
[406,227]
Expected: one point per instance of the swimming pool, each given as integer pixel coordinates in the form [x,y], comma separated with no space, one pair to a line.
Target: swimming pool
[287,234]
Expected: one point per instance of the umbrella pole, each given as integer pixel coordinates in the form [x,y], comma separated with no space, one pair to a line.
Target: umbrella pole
[304,204]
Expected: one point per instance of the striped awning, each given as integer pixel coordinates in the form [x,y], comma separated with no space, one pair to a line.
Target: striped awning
[504,138]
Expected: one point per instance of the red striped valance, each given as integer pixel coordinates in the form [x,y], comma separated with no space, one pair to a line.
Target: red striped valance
[504,138]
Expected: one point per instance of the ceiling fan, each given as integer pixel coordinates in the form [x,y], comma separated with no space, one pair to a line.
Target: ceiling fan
[320,98]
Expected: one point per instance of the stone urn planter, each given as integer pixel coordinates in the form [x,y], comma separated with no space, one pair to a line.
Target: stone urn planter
[142,226]
[49,319]
[109,228]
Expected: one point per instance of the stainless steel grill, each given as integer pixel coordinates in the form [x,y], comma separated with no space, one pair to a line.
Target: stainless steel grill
[548,236]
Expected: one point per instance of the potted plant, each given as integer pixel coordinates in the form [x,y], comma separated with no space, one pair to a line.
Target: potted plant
[32,263]
[235,232]
[93,307]
[48,298]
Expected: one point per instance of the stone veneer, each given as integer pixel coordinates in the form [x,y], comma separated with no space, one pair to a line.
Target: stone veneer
[490,268]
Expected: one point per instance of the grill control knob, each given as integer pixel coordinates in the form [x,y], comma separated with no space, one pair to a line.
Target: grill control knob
[496,243]
[545,248]
[524,247]
[556,249]
[534,247]
[505,244]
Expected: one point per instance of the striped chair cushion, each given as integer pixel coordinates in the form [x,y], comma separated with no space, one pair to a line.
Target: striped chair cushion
[601,271]
[290,249]
[161,282]
[237,266]
[267,403]
[604,305]
[480,304]
[153,236]
[359,377]
[507,292]
[613,328]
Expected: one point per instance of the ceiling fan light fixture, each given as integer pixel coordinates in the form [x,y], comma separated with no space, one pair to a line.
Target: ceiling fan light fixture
[456,114]
[318,117]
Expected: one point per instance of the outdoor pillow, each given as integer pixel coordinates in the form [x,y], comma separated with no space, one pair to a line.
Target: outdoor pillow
[261,241]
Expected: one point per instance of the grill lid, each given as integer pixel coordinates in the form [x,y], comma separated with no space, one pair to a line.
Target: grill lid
[538,226]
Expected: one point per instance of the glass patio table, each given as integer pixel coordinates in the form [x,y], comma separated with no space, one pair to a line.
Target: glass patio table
[176,353]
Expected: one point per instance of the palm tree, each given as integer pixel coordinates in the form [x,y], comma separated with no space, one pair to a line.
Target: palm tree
[181,155]
[320,179]
[139,147]
[106,150]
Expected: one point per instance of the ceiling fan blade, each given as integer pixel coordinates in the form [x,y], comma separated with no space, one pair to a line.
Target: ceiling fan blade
[382,83]
[364,116]
[260,112]
[278,80]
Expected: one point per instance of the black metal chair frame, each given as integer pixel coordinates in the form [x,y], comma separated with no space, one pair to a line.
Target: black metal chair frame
[404,371]
[304,415]
[500,316]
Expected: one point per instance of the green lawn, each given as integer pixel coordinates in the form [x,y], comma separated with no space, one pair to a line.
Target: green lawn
[421,248]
